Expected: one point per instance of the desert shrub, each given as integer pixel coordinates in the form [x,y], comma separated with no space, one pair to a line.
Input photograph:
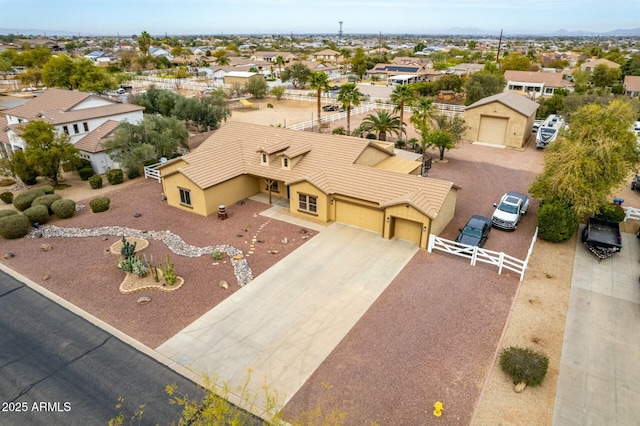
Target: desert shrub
[86,173]
[47,189]
[24,171]
[556,221]
[524,365]
[24,199]
[83,163]
[38,214]
[46,200]
[100,204]
[340,130]
[612,212]
[4,213]
[64,209]
[7,197]
[115,176]
[133,173]
[95,181]
[7,182]
[14,226]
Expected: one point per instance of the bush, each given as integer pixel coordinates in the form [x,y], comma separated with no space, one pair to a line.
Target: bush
[100,204]
[7,182]
[95,181]
[115,176]
[46,200]
[14,226]
[556,221]
[524,365]
[64,209]
[86,173]
[612,212]
[83,163]
[25,172]
[7,197]
[4,213]
[133,173]
[24,199]
[47,189]
[38,214]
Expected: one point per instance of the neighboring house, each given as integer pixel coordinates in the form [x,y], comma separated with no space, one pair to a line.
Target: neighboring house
[92,146]
[631,85]
[239,77]
[77,114]
[271,56]
[326,178]
[409,60]
[98,56]
[378,51]
[403,74]
[325,55]
[331,70]
[591,64]
[504,120]
[157,52]
[535,84]
[465,69]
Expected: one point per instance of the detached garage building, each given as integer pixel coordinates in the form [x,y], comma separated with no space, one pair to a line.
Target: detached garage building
[505,120]
[327,178]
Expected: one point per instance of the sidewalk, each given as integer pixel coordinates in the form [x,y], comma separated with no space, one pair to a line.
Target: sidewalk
[599,380]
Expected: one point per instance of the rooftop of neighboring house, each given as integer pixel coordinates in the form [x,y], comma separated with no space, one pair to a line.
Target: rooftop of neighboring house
[325,52]
[632,83]
[515,101]
[592,63]
[329,162]
[93,142]
[547,78]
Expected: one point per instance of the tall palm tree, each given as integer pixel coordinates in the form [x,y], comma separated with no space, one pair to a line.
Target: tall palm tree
[222,59]
[349,96]
[402,95]
[422,112]
[381,124]
[319,81]
[279,62]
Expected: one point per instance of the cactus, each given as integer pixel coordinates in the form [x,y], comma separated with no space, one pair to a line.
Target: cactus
[149,264]
[128,250]
[169,272]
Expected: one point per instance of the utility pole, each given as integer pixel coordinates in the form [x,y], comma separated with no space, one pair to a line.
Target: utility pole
[340,33]
[499,45]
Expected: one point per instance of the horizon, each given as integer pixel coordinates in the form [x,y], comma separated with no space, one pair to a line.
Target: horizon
[284,17]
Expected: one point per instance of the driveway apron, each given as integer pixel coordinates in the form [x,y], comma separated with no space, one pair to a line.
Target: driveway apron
[285,322]
[599,381]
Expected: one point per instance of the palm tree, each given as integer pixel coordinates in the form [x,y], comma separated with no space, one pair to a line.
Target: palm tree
[222,59]
[381,124]
[400,96]
[421,112]
[279,62]
[320,82]
[349,96]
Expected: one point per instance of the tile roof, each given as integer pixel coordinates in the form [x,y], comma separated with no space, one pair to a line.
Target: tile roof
[632,83]
[517,102]
[551,79]
[4,136]
[93,141]
[51,99]
[329,164]
[61,117]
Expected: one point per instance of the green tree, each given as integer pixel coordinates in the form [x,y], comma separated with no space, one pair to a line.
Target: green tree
[603,76]
[221,58]
[57,72]
[22,169]
[279,62]
[32,76]
[46,151]
[88,77]
[445,134]
[257,86]
[583,166]
[380,124]
[278,91]
[5,67]
[348,97]
[319,81]
[552,105]
[515,61]
[483,84]
[581,81]
[157,101]
[144,43]
[204,113]
[422,112]
[298,74]
[359,63]
[557,221]
[632,65]
[402,95]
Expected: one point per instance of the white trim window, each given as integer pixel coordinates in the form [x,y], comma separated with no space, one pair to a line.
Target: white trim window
[185,197]
[308,203]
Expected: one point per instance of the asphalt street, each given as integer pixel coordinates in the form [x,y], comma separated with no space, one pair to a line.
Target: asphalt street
[58,369]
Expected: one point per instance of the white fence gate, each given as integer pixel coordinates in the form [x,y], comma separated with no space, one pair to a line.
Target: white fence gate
[151,172]
[477,254]
[631,213]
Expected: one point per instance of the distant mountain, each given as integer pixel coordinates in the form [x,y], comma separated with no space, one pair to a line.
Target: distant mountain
[618,32]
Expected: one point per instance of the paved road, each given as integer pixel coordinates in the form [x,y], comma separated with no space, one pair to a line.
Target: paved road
[52,356]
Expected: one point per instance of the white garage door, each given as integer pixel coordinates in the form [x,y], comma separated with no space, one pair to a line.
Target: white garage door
[493,130]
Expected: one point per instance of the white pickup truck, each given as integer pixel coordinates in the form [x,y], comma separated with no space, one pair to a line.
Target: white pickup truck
[508,212]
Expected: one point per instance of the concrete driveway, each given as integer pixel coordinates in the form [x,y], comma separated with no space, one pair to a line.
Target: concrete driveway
[288,320]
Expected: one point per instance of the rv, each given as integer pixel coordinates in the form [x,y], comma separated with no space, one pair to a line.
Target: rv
[548,130]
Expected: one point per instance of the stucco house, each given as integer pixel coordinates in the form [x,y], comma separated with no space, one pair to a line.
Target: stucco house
[535,84]
[78,114]
[504,120]
[240,77]
[591,64]
[328,178]
[631,85]
[325,55]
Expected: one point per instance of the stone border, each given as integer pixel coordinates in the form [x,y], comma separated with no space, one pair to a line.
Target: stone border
[155,286]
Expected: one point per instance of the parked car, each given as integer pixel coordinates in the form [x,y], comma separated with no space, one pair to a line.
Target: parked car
[475,232]
[508,212]
[635,183]
[331,108]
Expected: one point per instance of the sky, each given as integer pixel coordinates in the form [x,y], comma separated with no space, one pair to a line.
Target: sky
[157,17]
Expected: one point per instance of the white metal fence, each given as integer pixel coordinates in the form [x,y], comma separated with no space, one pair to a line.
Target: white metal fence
[631,213]
[477,254]
[151,172]
[333,117]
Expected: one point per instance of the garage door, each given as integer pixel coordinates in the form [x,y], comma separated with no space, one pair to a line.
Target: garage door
[493,130]
[407,230]
[360,216]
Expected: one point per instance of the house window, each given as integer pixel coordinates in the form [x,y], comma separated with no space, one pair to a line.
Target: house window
[308,203]
[86,126]
[65,129]
[185,197]
[274,186]
[285,162]
[264,158]
[75,129]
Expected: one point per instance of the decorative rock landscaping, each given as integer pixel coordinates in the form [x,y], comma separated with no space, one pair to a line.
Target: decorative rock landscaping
[241,268]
